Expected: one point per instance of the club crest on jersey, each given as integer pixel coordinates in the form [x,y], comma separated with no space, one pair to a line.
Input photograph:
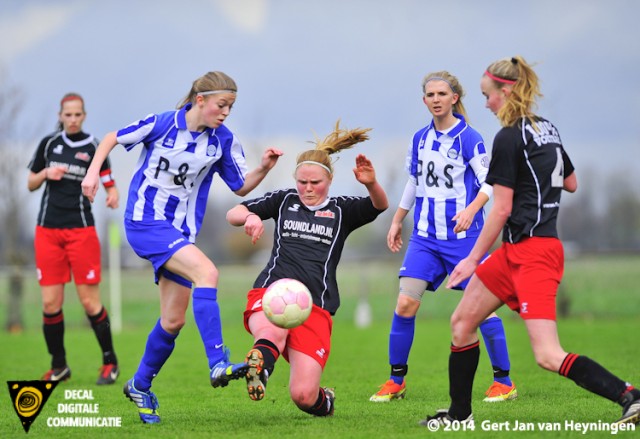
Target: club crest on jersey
[213,146]
[453,153]
[85,157]
[325,214]
[58,149]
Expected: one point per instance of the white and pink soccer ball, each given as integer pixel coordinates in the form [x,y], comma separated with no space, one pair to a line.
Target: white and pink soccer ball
[287,303]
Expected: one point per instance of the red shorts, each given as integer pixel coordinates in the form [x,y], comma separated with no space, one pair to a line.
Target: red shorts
[312,338]
[59,252]
[526,276]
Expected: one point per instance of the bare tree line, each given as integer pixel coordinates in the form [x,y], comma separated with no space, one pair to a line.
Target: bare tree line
[608,222]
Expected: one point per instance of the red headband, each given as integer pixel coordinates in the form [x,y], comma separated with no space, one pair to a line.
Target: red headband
[498,79]
[71,98]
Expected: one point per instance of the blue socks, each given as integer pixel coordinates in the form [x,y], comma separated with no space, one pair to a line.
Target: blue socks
[207,315]
[400,341]
[160,344]
[494,339]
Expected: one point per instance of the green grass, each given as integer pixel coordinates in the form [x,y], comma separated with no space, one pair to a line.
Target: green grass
[190,408]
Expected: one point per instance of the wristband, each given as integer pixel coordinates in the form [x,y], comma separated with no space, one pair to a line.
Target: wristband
[247,217]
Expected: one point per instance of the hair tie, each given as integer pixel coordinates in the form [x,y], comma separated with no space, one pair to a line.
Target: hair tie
[514,61]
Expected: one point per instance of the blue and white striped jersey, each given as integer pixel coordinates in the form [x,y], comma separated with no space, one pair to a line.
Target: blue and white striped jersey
[176,167]
[448,169]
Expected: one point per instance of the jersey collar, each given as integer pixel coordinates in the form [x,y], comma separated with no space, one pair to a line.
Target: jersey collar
[76,140]
[453,132]
[181,119]
[319,206]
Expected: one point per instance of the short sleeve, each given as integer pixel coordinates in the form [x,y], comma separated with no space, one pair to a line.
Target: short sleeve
[503,168]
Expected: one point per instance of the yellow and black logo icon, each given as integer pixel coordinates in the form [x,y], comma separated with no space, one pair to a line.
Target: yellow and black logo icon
[28,398]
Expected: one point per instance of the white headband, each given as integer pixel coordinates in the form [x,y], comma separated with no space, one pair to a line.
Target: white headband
[215,92]
[311,162]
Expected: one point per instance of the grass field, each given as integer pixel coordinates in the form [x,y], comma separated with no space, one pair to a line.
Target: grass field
[604,301]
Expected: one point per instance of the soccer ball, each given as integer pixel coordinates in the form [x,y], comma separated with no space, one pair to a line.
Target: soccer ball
[287,303]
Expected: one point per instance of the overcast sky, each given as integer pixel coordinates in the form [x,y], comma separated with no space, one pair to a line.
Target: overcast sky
[300,65]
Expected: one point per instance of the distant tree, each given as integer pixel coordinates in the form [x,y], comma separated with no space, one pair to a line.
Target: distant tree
[578,220]
[12,193]
[622,216]
[608,220]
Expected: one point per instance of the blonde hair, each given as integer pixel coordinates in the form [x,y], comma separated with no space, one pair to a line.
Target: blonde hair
[525,89]
[211,81]
[455,86]
[335,142]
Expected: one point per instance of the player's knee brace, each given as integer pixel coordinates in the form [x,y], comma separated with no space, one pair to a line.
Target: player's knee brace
[413,288]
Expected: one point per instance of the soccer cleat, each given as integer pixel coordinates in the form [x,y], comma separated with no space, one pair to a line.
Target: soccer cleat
[225,371]
[108,374]
[330,395]
[57,374]
[442,418]
[388,391]
[499,392]
[256,376]
[146,402]
[630,413]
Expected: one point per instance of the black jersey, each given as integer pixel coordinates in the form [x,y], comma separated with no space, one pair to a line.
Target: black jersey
[63,206]
[307,244]
[534,164]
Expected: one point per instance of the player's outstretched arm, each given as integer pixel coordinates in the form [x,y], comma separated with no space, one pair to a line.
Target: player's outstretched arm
[269,159]
[366,174]
[241,216]
[91,180]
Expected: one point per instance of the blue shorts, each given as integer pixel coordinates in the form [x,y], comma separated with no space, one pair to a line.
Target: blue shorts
[433,259]
[157,241]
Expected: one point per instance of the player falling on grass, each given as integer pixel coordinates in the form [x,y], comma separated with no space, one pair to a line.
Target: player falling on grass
[310,232]
[182,151]
[447,165]
[529,169]
[66,240]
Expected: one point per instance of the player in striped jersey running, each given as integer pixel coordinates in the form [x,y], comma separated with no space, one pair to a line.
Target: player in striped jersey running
[447,164]
[181,152]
